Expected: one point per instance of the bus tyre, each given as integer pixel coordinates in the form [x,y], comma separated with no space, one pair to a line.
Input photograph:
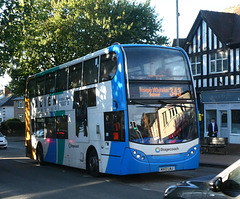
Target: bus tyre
[40,154]
[92,163]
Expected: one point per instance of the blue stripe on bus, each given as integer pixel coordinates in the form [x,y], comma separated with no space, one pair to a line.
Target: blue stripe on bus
[52,151]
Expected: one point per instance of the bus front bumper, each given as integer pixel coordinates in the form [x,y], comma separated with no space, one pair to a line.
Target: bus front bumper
[136,162]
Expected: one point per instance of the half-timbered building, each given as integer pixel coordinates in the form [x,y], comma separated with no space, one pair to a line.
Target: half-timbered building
[213,46]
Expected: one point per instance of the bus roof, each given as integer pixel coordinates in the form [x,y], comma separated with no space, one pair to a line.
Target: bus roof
[95,54]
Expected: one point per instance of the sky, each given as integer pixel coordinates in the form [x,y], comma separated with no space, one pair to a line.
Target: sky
[188,10]
[166,9]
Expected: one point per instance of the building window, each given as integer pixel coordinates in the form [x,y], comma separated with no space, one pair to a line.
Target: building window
[236,121]
[21,117]
[224,119]
[218,62]
[196,65]
[21,104]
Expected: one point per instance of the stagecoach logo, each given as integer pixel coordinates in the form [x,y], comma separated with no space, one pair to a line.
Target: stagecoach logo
[72,146]
[157,150]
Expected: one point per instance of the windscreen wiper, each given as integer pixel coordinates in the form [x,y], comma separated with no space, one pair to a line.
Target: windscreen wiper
[136,102]
[148,105]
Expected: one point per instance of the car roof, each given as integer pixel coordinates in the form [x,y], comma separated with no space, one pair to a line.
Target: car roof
[225,173]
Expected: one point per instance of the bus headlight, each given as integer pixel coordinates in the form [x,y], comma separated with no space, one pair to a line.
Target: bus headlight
[139,155]
[192,151]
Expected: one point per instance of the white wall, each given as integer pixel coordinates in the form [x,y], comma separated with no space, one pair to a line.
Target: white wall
[7,112]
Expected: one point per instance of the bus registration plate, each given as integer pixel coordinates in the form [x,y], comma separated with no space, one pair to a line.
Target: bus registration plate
[164,169]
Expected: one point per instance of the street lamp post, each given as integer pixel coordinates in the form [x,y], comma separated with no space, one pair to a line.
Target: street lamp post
[177,15]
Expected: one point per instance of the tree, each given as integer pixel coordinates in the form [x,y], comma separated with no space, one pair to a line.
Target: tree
[9,33]
[48,33]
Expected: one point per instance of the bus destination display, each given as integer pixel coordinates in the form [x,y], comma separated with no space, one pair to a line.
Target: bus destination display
[157,91]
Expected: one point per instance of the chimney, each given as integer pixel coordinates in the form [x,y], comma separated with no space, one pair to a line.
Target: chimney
[6,91]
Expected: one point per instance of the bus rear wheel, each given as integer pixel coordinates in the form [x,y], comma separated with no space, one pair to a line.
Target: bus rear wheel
[40,154]
[92,163]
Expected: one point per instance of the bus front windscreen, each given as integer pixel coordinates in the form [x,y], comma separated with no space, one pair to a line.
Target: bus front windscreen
[164,124]
[155,63]
[161,102]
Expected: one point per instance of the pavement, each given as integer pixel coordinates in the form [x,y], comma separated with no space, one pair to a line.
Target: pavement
[214,159]
[218,159]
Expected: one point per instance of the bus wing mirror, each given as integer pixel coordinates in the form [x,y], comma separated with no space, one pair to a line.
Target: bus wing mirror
[115,104]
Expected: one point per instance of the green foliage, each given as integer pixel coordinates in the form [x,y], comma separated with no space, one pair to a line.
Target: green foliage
[39,34]
[13,127]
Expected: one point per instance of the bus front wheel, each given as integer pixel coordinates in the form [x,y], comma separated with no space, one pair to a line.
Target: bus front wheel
[92,163]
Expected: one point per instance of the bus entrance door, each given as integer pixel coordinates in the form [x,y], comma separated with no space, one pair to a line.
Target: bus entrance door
[80,106]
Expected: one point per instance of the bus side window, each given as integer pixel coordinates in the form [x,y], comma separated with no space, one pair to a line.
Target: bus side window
[40,127]
[50,127]
[62,127]
[75,76]
[40,85]
[91,96]
[50,83]
[32,88]
[61,81]
[114,126]
[108,66]
[90,71]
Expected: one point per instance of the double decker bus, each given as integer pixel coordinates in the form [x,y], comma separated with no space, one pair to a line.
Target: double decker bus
[126,109]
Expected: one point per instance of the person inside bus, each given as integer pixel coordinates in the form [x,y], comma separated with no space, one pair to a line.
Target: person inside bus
[212,128]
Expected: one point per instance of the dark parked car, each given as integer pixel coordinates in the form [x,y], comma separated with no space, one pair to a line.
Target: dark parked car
[225,185]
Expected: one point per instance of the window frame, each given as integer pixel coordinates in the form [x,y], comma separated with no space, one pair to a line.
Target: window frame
[213,62]
[62,88]
[48,77]
[194,64]
[110,131]
[20,104]
[113,70]
[87,65]
[71,71]
[65,117]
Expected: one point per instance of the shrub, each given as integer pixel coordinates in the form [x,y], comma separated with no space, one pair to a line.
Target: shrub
[13,127]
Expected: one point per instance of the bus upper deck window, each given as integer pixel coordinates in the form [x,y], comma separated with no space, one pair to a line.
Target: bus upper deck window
[90,71]
[108,66]
[75,76]
[32,88]
[61,80]
[50,85]
[40,85]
